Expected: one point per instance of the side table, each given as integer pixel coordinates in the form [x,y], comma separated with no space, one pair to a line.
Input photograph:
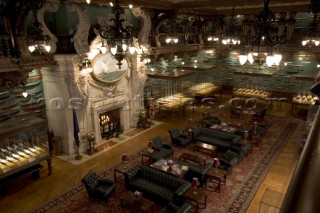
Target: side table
[144,205]
[218,176]
[120,169]
[189,132]
[197,198]
[147,154]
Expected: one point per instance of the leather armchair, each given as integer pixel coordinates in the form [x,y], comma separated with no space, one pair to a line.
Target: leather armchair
[259,116]
[174,208]
[163,150]
[235,112]
[98,188]
[229,159]
[178,138]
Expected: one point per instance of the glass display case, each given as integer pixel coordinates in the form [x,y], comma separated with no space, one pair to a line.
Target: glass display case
[23,144]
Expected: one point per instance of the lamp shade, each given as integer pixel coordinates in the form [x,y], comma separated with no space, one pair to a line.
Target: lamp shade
[246,134]
[125,157]
[216,162]
[269,60]
[243,59]
[151,144]
[250,58]
[195,182]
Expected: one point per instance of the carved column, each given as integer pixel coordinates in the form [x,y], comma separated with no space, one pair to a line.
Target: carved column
[51,6]
[81,37]
[145,27]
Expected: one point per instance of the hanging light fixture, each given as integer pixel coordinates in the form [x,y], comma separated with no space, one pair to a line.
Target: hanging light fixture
[117,34]
[313,37]
[213,37]
[263,46]
[231,38]
[38,42]
[172,38]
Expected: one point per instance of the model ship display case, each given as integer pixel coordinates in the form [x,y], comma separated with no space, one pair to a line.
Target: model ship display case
[23,145]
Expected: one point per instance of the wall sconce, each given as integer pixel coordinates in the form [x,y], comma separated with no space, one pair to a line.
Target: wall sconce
[85,66]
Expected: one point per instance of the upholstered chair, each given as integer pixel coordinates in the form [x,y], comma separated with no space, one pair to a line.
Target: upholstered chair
[178,138]
[174,208]
[98,188]
[259,116]
[228,160]
[235,112]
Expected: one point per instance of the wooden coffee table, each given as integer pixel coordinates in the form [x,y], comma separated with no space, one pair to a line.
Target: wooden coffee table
[197,198]
[144,205]
[218,176]
[194,158]
[206,147]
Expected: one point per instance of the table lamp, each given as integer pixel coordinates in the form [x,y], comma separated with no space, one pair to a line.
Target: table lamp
[151,144]
[255,124]
[195,183]
[216,162]
[246,134]
[125,159]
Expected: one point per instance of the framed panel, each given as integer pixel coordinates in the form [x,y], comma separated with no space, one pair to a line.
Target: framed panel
[105,69]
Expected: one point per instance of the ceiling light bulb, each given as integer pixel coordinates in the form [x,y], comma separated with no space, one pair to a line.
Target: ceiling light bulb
[130,6]
[317,43]
[168,40]
[304,43]
[47,48]
[132,50]
[243,59]
[103,49]
[209,38]
[277,58]
[25,94]
[111,4]
[31,48]
[269,60]
[113,50]
[88,1]
[124,47]
[175,40]
[250,58]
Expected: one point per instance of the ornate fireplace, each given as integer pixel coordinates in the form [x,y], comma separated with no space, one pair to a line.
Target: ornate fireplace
[110,125]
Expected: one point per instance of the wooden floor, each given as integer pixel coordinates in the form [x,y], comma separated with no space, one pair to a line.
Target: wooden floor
[26,194]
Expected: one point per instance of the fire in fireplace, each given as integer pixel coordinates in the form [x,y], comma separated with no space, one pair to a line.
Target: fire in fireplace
[110,124]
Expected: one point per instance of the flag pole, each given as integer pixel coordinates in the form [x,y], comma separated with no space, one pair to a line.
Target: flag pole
[76,131]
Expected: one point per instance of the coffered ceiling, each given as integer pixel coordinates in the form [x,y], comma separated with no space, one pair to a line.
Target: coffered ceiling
[220,7]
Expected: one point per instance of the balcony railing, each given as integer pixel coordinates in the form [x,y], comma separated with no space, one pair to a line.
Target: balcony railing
[303,194]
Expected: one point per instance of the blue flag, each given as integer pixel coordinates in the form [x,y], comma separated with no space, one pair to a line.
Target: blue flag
[75,128]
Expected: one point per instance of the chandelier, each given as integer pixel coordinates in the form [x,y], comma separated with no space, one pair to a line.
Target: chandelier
[231,39]
[172,38]
[263,46]
[117,33]
[313,38]
[38,42]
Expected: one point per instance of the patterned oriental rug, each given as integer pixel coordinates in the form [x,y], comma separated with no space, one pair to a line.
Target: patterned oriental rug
[236,196]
